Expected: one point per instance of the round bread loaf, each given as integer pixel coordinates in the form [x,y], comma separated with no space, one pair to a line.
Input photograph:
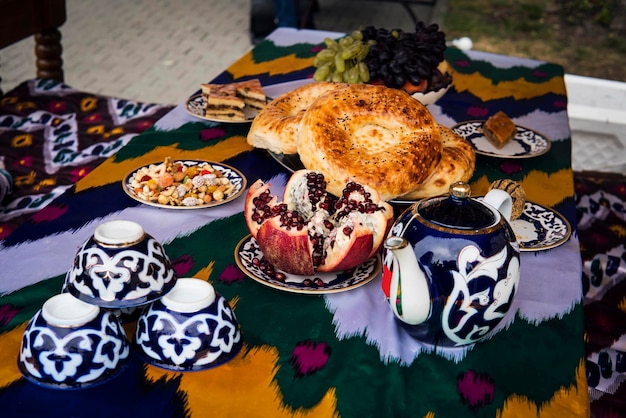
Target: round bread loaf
[370,134]
[276,127]
[458,160]
[518,195]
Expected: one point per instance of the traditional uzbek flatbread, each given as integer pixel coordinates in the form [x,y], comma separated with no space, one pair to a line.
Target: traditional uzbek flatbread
[458,160]
[277,126]
[371,134]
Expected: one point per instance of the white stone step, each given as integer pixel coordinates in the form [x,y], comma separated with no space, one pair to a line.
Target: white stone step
[597,112]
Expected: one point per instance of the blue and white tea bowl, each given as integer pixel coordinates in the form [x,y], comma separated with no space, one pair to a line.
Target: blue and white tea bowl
[191,328]
[120,266]
[70,344]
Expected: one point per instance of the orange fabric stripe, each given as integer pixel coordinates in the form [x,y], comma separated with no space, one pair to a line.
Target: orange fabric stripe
[242,387]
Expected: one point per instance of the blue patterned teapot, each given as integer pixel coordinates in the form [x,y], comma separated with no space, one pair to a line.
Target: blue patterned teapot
[451,266]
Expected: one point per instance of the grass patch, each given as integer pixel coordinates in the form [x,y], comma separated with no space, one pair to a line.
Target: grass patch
[573,33]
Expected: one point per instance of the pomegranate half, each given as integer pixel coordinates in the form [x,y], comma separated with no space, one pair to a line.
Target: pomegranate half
[311,230]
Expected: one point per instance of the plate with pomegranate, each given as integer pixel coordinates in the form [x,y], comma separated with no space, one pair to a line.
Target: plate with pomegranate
[251,261]
[184,184]
[313,239]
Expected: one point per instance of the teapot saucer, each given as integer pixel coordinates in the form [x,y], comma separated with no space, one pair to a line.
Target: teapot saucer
[540,228]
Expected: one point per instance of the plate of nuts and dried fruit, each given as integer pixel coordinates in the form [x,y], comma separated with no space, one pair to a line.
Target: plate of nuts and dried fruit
[184,184]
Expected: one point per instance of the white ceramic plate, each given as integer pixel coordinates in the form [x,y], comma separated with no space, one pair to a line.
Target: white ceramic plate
[231,173]
[248,250]
[196,104]
[526,143]
[540,228]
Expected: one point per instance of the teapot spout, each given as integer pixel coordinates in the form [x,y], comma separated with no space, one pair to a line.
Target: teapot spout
[409,293]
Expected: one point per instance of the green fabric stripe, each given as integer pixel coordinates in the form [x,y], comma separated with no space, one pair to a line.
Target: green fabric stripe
[267,51]
[215,241]
[539,74]
[28,300]
[556,159]
[188,137]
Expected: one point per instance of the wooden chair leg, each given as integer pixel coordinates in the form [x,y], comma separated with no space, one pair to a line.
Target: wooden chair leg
[48,51]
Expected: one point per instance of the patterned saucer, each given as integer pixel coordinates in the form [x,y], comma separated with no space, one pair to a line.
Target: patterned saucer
[540,228]
[526,143]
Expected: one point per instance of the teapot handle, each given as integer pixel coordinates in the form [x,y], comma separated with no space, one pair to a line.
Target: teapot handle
[500,200]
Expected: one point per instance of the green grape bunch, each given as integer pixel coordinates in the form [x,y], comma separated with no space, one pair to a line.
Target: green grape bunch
[343,61]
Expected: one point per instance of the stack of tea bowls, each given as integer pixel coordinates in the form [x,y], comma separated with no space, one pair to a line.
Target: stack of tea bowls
[77,340]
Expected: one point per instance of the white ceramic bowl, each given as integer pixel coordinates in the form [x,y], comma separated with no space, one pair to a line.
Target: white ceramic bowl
[70,344]
[432,96]
[120,266]
[191,328]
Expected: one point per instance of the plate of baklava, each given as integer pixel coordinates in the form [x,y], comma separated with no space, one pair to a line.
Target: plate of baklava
[237,102]
[500,137]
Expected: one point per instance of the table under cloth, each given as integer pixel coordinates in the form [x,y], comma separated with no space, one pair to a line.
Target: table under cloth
[339,354]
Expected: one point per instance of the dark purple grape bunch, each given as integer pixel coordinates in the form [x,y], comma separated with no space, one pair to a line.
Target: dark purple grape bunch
[397,56]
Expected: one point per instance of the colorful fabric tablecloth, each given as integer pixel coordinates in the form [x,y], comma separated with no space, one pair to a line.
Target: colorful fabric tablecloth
[340,354]
[52,135]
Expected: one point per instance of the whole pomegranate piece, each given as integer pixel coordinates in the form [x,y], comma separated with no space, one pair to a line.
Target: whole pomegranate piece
[311,230]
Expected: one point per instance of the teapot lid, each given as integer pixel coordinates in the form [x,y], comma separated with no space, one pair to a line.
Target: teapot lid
[457,210]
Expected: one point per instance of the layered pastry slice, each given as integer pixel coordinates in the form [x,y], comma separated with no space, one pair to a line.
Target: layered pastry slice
[499,129]
[251,92]
[222,102]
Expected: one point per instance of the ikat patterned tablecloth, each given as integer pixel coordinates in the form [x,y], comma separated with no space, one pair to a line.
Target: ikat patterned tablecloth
[332,355]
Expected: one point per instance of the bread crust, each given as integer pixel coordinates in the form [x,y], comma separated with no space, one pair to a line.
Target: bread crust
[276,127]
[458,160]
[371,134]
